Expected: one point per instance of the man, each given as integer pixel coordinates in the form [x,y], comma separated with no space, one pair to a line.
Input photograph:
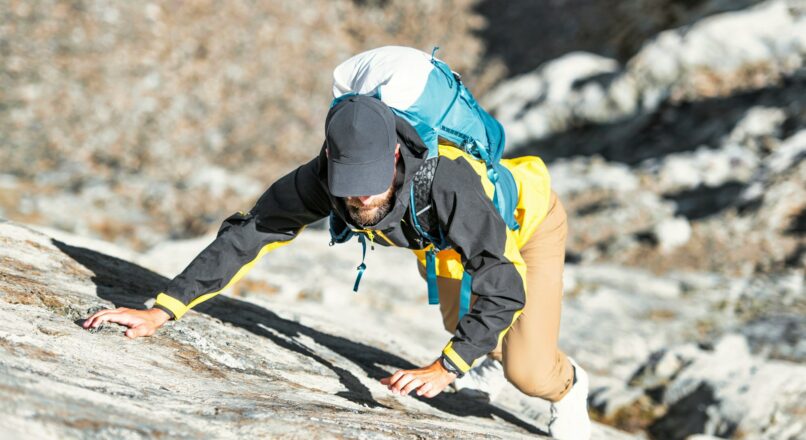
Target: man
[363,175]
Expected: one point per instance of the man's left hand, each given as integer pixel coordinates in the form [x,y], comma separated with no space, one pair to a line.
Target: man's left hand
[428,381]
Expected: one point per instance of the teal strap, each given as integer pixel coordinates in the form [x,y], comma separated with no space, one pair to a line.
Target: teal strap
[431,276]
[464,295]
[480,152]
[492,174]
[505,196]
[505,193]
[361,267]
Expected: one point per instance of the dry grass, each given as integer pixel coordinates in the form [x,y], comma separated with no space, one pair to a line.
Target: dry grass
[154,92]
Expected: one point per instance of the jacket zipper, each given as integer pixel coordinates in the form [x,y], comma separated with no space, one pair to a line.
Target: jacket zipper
[371,234]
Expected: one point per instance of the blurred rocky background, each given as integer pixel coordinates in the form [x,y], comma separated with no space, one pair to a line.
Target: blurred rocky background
[674,130]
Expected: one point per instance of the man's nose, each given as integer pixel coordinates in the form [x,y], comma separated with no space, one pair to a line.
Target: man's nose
[364,199]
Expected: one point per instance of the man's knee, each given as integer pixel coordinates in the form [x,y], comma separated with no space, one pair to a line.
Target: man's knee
[534,383]
[549,380]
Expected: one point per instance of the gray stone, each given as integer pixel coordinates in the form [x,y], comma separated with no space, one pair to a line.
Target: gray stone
[672,233]
[236,367]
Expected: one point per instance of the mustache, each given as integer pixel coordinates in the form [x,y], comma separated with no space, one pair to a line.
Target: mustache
[357,204]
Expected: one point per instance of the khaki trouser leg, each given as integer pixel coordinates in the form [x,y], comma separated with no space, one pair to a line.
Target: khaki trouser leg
[531,358]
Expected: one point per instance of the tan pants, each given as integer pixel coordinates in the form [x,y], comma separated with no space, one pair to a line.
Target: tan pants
[532,361]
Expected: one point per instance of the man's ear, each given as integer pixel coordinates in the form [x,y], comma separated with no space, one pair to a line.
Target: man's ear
[397,150]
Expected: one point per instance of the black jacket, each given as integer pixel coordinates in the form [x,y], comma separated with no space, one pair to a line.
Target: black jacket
[465,212]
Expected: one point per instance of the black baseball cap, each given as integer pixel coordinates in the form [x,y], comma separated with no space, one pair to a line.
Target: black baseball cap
[361,138]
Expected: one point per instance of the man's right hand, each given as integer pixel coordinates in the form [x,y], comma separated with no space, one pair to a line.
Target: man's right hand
[140,322]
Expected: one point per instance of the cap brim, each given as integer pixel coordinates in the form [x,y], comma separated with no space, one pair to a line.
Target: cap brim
[364,179]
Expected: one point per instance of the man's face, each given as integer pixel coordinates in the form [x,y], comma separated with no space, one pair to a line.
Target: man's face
[369,210]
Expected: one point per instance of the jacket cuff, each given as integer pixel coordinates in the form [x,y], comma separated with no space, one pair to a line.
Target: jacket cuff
[450,355]
[448,365]
[166,310]
[169,304]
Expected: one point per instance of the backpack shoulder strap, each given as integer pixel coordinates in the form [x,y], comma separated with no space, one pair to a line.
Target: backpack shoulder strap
[423,215]
[425,221]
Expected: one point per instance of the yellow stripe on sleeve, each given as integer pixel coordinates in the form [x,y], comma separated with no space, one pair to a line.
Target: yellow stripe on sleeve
[176,307]
[455,358]
[179,309]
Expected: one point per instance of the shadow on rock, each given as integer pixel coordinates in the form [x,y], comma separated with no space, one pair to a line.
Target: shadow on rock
[690,416]
[128,285]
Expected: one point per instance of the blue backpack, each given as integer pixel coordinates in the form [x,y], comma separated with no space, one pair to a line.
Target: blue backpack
[427,94]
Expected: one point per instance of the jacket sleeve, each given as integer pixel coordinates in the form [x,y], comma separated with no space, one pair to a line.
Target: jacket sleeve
[279,215]
[489,252]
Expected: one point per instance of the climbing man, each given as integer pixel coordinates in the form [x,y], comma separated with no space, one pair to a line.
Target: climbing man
[376,177]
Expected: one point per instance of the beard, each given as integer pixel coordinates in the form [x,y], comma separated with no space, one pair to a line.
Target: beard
[369,215]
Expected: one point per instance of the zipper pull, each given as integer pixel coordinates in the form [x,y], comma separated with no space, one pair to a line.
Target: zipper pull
[371,236]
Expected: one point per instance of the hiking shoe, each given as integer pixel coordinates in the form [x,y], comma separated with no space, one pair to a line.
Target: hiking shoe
[482,382]
[569,415]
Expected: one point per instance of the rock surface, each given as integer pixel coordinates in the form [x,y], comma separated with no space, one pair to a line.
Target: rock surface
[697,139]
[270,357]
[243,367]
[715,57]
[720,390]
